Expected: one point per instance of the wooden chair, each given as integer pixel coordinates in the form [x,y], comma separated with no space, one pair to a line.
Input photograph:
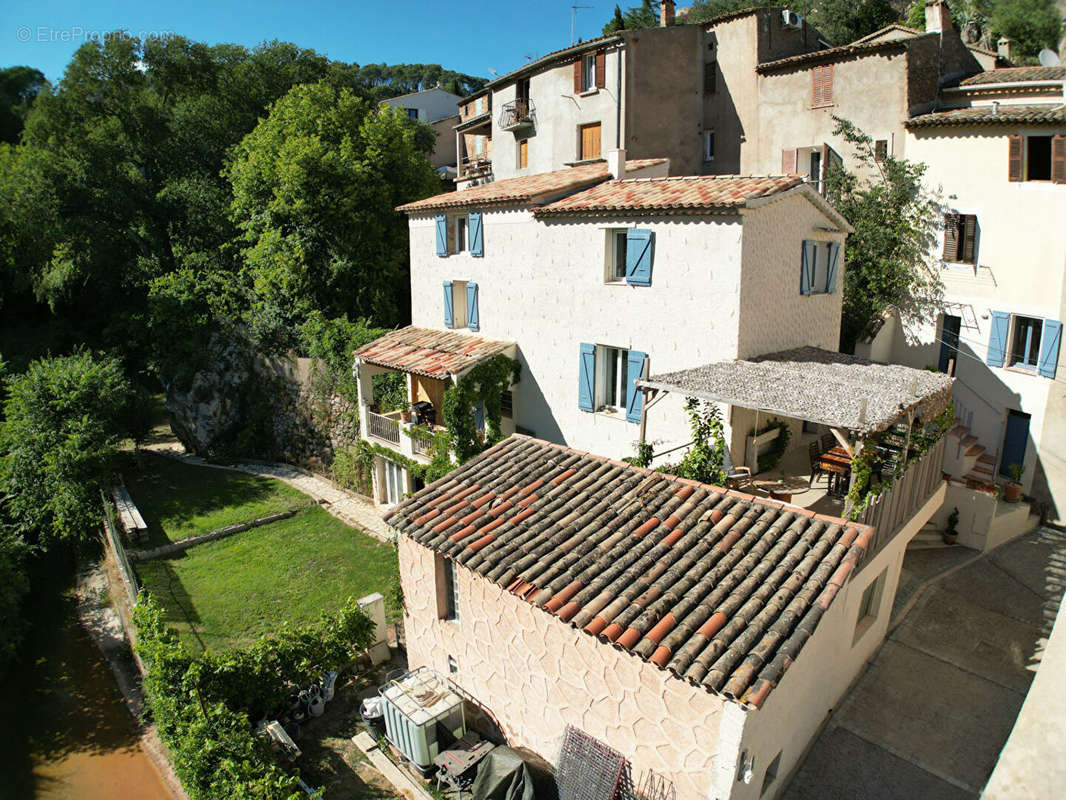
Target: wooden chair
[829,441]
[735,477]
[815,456]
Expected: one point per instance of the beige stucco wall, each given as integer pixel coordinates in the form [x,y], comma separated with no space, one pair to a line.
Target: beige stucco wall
[555,139]
[775,315]
[535,675]
[870,92]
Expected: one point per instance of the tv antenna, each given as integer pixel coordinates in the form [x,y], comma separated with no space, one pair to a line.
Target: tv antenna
[573,17]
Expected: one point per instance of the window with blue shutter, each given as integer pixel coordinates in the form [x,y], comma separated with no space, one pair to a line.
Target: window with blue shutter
[471,306]
[477,238]
[639,255]
[807,256]
[441,225]
[831,270]
[586,378]
[449,316]
[479,417]
[634,397]
[997,339]
[1049,348]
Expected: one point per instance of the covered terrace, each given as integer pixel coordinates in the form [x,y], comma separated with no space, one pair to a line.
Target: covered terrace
[850,421]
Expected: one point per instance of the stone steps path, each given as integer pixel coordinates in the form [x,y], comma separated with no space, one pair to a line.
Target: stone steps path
[345,506]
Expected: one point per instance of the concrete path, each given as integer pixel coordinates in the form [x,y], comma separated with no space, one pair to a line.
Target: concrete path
[350,508]
[931,713]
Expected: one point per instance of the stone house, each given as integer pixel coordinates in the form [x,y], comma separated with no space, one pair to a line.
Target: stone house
[703,634]
[1003,266]
[593,281]
[439,109]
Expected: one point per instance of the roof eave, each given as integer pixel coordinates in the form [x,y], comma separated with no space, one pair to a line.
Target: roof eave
[808,192]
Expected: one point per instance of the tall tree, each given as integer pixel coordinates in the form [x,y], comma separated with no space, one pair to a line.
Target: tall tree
[315,186]
[888,257]
[19,87]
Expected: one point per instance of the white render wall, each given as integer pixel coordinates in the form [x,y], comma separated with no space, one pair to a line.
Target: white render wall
[541,284]
[554,141]
[432,104]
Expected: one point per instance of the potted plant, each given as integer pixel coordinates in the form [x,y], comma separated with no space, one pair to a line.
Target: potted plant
[951,533]
[1012,491]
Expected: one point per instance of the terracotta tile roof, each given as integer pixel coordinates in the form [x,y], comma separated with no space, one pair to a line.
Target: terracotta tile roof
[987,115]
[698,193]
[437,354]
[525,189]
[1016,75]
[832,54]
[562,54]
[720,588]
[876,35]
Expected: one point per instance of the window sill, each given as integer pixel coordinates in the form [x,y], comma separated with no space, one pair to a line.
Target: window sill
[608,412]
[1021,369]
[862,627]
[588,92]
[824,105]
[616,282]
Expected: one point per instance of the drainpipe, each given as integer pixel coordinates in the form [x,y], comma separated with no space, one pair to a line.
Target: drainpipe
[618,101]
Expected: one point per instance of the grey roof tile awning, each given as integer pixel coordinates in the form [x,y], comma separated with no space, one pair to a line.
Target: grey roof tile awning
[821,386]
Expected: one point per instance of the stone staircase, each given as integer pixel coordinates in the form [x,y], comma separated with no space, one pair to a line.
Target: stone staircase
[968,459]
[928,538]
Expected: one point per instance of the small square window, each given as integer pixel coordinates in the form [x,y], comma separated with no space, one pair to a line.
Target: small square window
[708,145]
[612,374]
[1025,346]
[881,150]
[771,774]
[616,255]
[870,605]
[1038,158]
[412,113]
[453,665]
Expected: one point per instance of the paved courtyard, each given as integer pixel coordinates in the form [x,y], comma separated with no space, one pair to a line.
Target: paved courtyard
[931,713]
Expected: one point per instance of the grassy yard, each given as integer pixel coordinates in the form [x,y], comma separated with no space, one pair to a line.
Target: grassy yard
[228,593]
[181,500]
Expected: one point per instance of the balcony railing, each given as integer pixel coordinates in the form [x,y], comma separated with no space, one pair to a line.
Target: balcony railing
[890,510]
[385,428]
[421,442]
[475,165]
[517,113]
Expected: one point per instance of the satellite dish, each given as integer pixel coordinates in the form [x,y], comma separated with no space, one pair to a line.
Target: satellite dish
[1048,57]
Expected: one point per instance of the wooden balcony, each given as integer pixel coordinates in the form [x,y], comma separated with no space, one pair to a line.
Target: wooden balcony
[475,166]
[517,114]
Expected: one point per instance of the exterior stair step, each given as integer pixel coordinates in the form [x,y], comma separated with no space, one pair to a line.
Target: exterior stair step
[959,431]
[975,450]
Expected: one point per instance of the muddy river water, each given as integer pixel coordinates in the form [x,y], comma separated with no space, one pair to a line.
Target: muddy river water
[64,729]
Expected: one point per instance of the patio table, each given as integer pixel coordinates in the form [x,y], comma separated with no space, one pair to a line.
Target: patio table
[836,463]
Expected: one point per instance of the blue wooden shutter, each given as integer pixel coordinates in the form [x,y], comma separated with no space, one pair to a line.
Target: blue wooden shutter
[1049,348]
[997,339]
[635,397]
[807,256]
[831,270]
[477,239]
[449,317]
[471,306]
[441,224]
[586,377]
[479,416]
[639,254]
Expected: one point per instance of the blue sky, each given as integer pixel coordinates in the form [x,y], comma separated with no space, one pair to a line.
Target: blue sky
[472,37]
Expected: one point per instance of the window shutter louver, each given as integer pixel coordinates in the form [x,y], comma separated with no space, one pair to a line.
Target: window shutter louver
[827,85]
[789,160]
[441,225]
[1058,159]
[1049,348]
[831,268]
[807,255]
[601,69]
[449,316]
[639,256]
[969,234]
[1014,158]
[634,397]
[472,320]
[951,237]
[997,339]
[577,76]
[477,239]
[586,377]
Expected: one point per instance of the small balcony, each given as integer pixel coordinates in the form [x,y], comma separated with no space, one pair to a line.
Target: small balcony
[475,166]
[517,114]
[385,427]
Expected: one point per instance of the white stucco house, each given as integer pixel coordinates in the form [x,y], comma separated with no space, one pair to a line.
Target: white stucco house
[1002,259]
[593,281]
[440,110]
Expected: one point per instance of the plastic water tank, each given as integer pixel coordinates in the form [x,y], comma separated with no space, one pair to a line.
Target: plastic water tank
[422,716]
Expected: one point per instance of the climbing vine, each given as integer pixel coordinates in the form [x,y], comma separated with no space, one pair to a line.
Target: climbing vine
[706,455]
[770,458]
[483,385]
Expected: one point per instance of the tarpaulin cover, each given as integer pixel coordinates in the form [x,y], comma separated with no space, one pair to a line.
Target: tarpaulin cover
[503,775]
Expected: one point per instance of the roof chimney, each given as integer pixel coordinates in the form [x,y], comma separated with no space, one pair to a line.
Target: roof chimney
[666,13]
[1003,48]
[616,163]
[937,16]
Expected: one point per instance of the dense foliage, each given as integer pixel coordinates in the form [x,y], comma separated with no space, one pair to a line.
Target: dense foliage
[483,386]
[205,707]
[63,419]
[14,585]
[19,87]
[888,257]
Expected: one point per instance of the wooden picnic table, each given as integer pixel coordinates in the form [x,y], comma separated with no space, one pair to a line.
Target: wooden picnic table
[836,464]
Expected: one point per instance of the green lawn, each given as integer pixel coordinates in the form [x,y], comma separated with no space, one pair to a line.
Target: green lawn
[228,593]
[180,500]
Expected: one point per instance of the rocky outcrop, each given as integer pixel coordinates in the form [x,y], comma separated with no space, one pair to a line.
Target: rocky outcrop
[208,410]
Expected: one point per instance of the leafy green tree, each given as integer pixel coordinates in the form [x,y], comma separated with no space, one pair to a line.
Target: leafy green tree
[1032,24]
[315,186]
[634,18]
[19,87]
[888,256]
[14,585]
[63,419]
[705,458]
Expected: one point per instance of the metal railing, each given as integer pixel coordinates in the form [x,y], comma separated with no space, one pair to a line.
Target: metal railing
[421,442]
[517,113]
[475,164]
[385,428]
[891,509]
